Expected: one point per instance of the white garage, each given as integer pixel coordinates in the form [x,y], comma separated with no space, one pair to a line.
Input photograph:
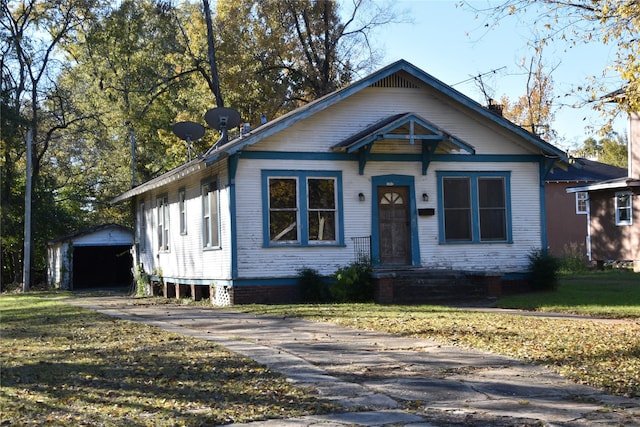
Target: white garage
[99,257]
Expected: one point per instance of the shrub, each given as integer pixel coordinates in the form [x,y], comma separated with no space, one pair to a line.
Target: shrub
[142,281]
[312,286]
[352,283]
[543,271]
[573,258]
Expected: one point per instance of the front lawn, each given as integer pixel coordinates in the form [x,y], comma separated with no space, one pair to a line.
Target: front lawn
[614,294]
[65,366]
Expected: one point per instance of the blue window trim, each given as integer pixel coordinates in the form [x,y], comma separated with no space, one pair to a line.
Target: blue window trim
[216,189]
[301,176]
[475,215]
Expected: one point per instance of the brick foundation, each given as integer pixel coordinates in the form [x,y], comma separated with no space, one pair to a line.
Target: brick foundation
[421,286]
[283,294]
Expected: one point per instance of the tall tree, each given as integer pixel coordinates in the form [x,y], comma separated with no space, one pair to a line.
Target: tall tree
[281,54]
[33,31]
[534,110]
[613,22]
[612,150]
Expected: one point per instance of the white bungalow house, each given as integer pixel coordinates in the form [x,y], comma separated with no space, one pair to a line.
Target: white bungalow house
[398,167]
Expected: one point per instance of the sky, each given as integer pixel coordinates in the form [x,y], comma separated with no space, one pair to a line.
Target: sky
[452,45]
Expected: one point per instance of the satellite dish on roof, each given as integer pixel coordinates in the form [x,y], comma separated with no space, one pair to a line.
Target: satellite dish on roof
[188,131]
[222,118]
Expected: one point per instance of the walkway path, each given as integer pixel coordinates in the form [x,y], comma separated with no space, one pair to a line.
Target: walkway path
[381,379]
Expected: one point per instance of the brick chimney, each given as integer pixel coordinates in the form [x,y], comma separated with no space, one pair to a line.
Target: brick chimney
[634,145]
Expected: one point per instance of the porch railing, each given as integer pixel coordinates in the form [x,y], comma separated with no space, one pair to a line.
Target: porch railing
[362,249]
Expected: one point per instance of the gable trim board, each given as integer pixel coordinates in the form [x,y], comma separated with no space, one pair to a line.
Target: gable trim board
[368,136]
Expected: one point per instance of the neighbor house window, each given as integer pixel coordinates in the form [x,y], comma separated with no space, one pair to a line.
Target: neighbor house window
[210,215]
[182,210]
[582,198]
[142,228]
[475,207]
[301,208]
[162,207]
[623,208]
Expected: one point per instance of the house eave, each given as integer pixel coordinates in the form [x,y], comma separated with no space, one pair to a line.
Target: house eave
[607,185]
[159,181]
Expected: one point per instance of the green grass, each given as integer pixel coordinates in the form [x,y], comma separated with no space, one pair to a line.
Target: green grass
[62,365]
[613,294]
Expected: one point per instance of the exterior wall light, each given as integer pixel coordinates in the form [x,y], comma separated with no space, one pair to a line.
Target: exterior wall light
[425,197]
[361,197]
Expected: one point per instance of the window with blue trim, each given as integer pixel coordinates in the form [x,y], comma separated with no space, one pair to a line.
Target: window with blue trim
[475,207]
[301,207]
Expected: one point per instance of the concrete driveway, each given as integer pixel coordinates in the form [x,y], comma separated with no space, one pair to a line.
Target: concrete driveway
[381,379]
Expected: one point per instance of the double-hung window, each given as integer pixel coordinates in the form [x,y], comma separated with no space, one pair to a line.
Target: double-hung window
[582,198]
[210,215]
[623,208]
[162,207]
[301,208]
[475,207]
[142,227]
[182,209]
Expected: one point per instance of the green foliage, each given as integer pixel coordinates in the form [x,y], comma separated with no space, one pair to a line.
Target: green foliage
[312,286]
[352,283]
[573,259]
[143,280]
[611,150]
[543,271]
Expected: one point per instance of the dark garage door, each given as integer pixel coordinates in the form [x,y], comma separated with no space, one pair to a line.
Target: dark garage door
[101,266]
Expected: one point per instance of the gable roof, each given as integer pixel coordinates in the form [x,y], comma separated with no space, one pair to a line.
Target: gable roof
[401,126]
[91,231]
[220,152]
[283,122]
[585,170]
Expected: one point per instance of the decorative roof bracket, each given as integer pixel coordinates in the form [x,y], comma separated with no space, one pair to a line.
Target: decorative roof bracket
[428,149]
[363,154]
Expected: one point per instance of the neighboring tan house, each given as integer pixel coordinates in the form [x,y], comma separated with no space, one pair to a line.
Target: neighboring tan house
[93,258]
[398,168]
[614,210]
[567,212]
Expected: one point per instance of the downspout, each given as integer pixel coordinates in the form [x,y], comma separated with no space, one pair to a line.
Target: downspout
[545,167]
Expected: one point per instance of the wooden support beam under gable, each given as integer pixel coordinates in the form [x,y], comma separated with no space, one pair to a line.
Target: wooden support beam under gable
[363,154]
[428,149]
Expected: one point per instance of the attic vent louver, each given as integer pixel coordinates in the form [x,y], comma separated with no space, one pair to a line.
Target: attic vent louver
[395,81]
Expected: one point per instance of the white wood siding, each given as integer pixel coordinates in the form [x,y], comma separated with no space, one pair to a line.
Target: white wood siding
[186,258]
[59,265]
[327,128]
[254,260]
